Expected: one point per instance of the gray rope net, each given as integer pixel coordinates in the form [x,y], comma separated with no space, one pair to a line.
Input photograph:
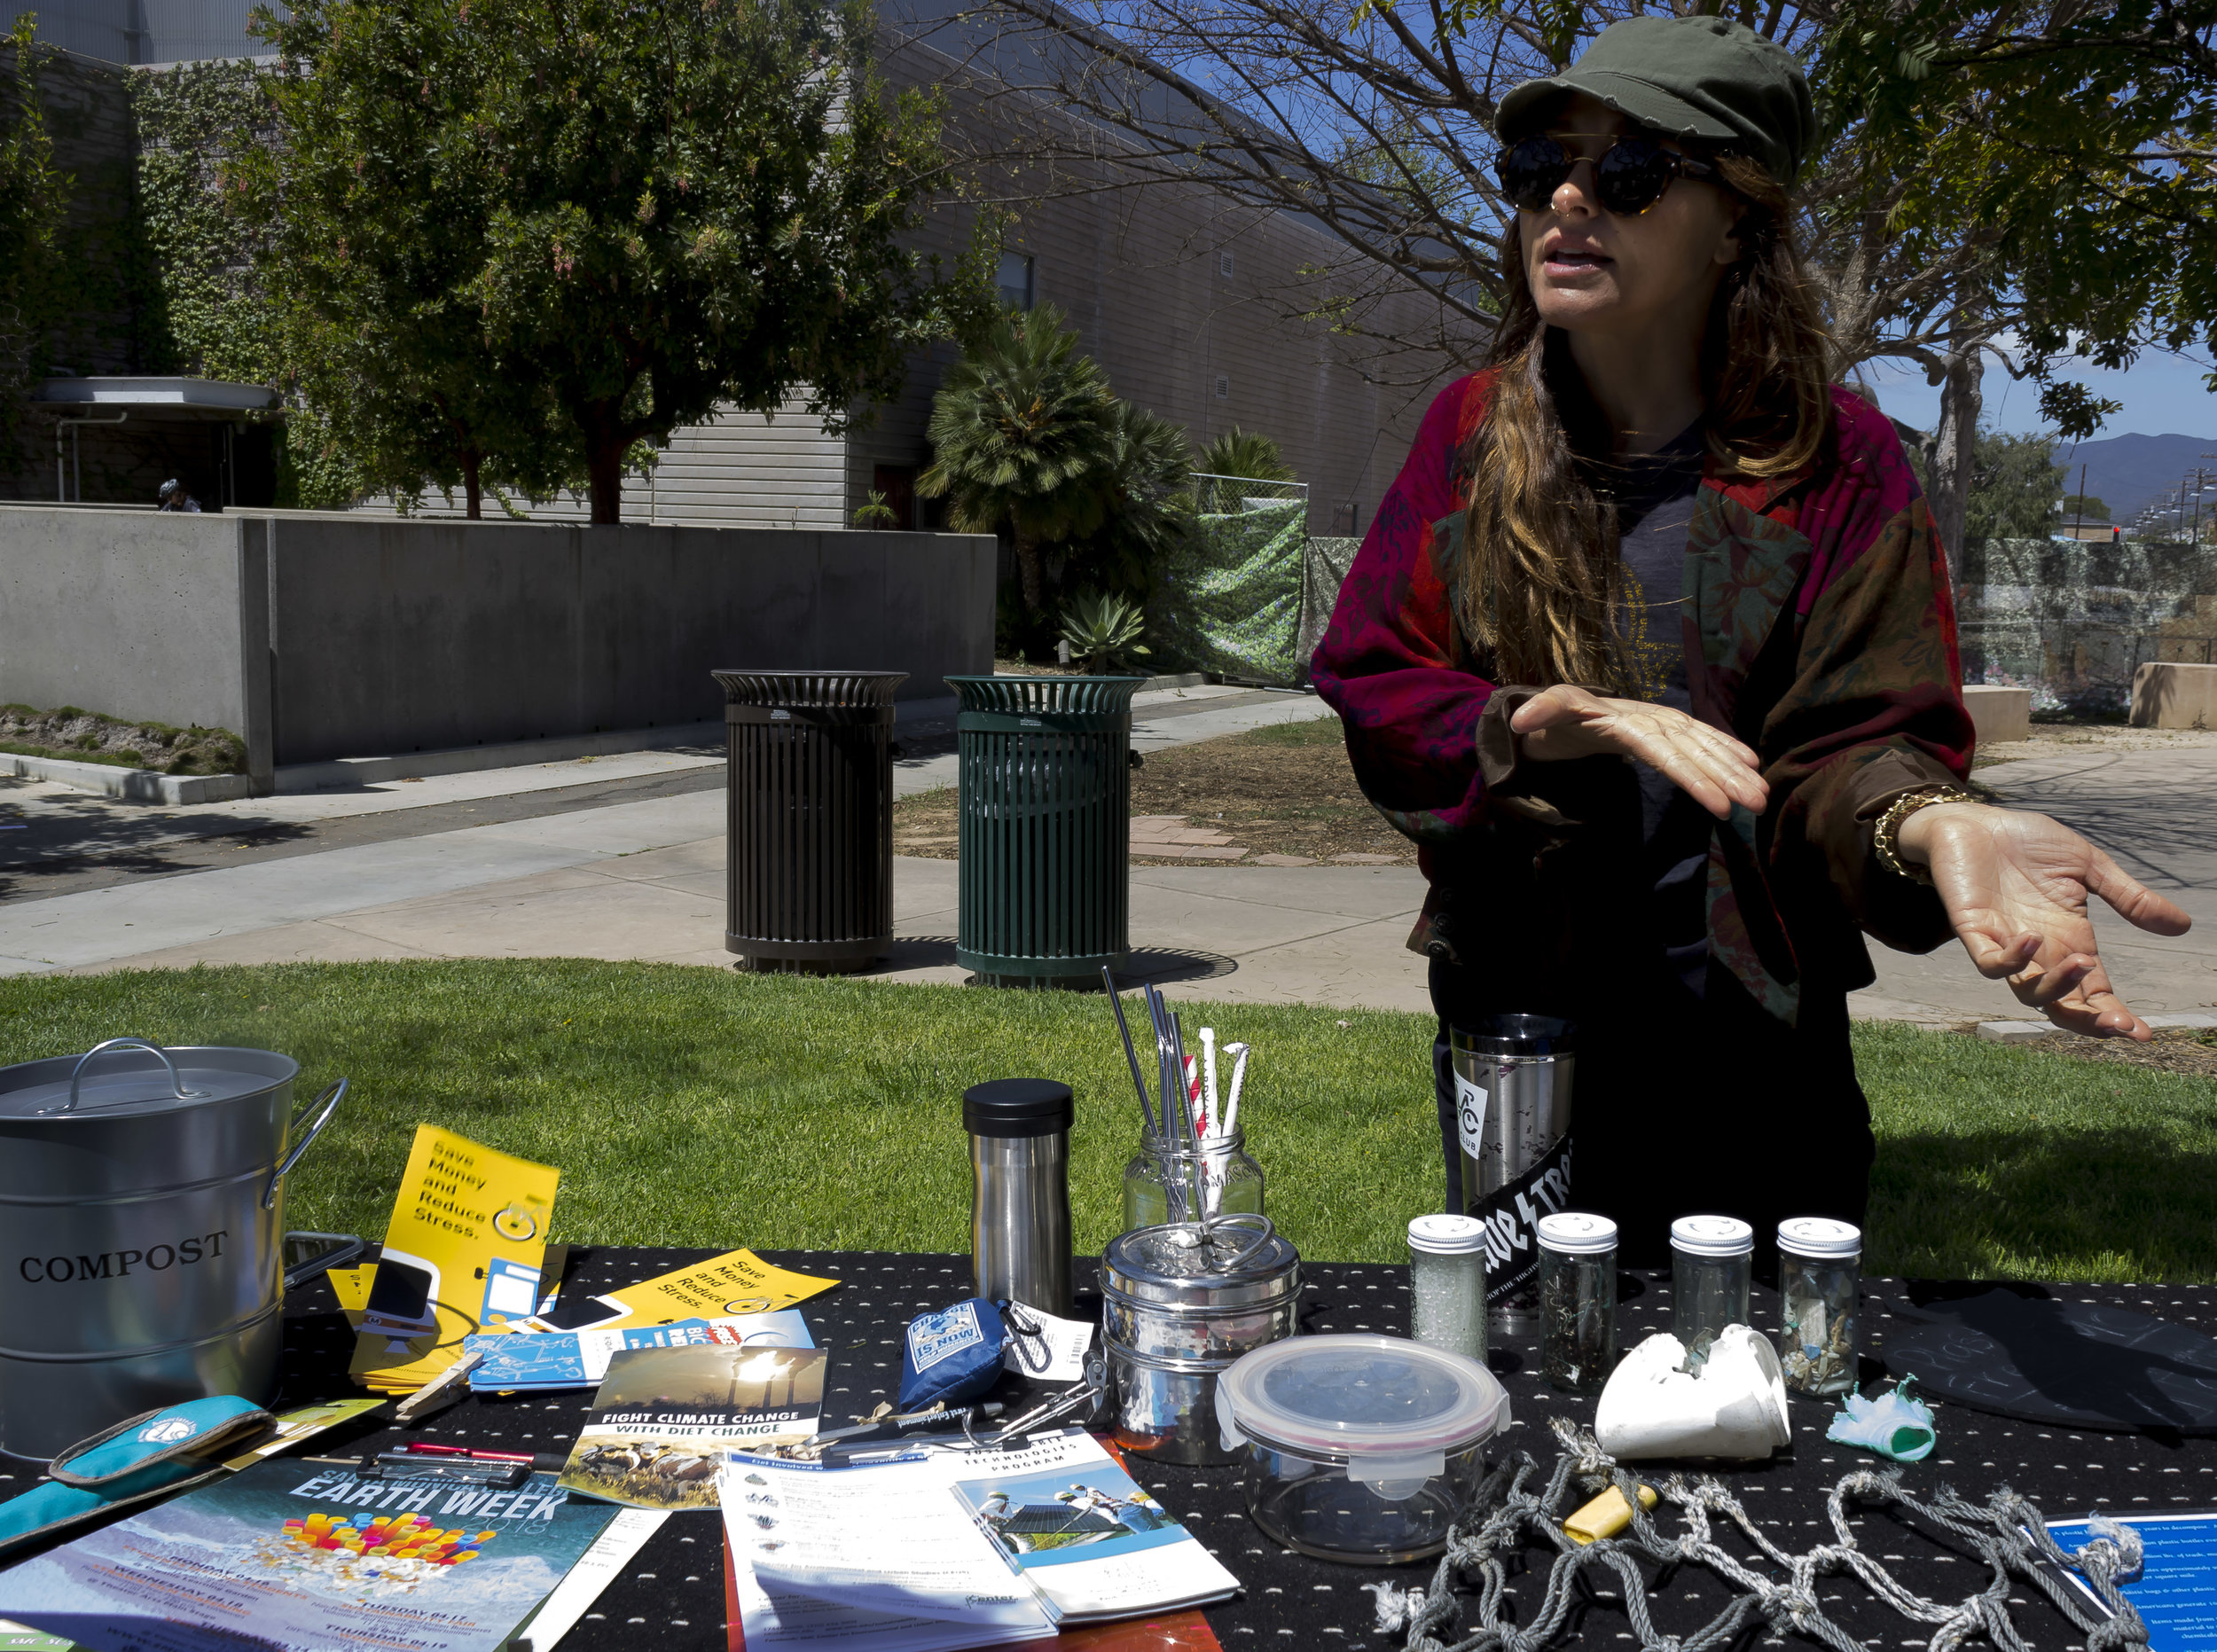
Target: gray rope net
[2005,1532]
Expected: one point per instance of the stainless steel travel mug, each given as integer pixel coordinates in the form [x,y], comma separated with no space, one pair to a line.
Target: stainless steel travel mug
[1020,1191]
[1513,1110]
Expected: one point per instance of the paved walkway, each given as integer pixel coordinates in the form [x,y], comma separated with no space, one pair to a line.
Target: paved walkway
[645,879]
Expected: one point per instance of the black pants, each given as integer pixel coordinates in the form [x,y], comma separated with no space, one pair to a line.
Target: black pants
[1685,1103]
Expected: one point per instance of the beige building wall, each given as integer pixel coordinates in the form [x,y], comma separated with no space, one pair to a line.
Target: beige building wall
[1183,296]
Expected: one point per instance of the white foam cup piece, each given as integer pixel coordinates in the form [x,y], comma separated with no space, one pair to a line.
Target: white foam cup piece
[1734,1407]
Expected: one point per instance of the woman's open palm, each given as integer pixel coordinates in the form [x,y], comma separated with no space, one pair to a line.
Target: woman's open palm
[2015,885]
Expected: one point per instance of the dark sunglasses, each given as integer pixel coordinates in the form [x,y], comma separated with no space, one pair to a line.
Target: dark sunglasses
[1629,176]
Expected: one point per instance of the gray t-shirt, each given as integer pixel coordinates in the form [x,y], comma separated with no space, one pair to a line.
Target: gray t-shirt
[1654,494]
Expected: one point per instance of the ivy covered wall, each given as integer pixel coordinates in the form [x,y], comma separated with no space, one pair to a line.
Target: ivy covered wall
[155,276]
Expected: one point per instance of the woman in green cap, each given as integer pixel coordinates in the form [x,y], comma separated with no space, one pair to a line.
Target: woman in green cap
[1651,648]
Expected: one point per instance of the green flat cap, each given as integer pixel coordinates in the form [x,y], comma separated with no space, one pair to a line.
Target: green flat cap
[1706,78]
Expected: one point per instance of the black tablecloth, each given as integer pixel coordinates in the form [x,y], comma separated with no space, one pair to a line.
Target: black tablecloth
[672,1595]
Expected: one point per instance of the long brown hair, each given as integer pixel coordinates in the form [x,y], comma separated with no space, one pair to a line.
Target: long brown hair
[1538,585]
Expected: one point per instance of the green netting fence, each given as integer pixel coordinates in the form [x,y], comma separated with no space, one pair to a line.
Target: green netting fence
[1248,593]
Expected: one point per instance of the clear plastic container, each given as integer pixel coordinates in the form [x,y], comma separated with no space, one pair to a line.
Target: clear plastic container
[1447,1283]
[1361,1448]
[1577,1301]
[1233,1180]
[1820,1273]
[1710,1258]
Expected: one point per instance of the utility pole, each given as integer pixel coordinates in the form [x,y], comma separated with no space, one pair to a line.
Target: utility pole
[2080,521]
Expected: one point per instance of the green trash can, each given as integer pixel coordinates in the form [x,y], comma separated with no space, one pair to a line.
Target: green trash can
[1045,776]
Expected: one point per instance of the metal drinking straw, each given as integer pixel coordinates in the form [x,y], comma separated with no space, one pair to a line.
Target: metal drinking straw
[1130,1055]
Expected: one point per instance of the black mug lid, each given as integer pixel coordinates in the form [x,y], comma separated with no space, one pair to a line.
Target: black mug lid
[1017,1107]
[1516,1035]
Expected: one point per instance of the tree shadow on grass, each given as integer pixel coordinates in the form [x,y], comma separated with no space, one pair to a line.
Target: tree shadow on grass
[2124,1203]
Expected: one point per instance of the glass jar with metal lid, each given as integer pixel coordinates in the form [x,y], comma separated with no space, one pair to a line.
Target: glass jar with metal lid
[1447,1283]
[1577,1301]
[1711,1259]
[1180,1303]
[1820,1272]
[1361,1448]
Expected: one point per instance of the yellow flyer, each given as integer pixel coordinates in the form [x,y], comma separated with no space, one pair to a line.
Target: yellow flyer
[461,1256]
[738,1281]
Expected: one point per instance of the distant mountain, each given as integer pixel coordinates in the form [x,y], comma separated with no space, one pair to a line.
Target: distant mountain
[2128,472]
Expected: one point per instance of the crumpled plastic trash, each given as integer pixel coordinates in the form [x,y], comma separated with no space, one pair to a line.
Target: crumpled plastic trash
[1734,1407]
[1897,1425]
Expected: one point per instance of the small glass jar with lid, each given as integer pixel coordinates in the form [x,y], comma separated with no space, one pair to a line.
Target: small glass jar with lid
[1711,1259]
[1447,1283]
[1231,1183]
[1820,1272]
[1577,1301]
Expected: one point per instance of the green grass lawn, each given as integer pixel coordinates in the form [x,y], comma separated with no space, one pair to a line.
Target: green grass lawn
[700,1106]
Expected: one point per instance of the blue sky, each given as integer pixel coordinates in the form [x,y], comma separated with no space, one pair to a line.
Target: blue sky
[2163,394]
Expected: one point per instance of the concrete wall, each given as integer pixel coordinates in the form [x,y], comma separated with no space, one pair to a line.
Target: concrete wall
[134,613]
[317,635]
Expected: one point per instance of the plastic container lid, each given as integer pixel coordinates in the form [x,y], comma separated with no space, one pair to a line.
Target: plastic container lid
[1576,1234]
[1819,1236]
[1711,1236]
[1446,1236]
[1017,1107]
[1392,1411]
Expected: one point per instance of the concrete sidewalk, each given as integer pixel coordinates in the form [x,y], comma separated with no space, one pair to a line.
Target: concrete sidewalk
[646,881]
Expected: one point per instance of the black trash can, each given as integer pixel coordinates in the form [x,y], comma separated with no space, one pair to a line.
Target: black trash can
[809,796]
[1045,827]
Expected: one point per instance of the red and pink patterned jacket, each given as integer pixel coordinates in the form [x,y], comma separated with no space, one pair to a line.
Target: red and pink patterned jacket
[1820,630]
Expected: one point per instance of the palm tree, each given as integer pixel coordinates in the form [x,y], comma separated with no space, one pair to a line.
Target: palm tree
[1244,453]
[1147,503]
[1020,431]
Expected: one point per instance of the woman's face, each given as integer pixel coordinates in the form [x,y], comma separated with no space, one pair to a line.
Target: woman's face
[1599,274]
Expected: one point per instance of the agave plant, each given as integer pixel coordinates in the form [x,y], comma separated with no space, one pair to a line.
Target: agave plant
[1099,630]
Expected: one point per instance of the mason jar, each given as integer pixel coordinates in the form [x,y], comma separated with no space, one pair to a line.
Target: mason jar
[1577,1301]
[1231,1180]
[1820,1272]
[1711,1259]
[1447,1284]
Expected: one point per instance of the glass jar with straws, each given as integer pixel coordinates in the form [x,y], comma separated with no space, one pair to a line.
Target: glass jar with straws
[1231,1183]
[1193,1164]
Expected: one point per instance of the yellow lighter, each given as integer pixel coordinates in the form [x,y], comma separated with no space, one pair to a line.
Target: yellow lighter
[1605,1517]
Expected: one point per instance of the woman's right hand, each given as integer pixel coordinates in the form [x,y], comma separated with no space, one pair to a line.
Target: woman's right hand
[1562,722]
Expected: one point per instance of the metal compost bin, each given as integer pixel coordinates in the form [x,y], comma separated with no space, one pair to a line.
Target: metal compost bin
[1045,827]
[809,795]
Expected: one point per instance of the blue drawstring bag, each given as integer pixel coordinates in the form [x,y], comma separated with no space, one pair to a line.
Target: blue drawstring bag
[952,1357]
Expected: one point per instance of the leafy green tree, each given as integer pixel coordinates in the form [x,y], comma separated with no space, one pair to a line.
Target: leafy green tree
[554,231]
[1021,431]
[2075,505]
[372,201]
[1239,452]
[2014,486]
[33,196]
[2081,140]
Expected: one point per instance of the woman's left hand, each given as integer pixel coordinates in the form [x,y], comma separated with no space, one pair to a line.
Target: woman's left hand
[2016,887]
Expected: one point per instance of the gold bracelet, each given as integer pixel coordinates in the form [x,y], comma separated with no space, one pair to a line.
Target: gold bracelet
[1890,824]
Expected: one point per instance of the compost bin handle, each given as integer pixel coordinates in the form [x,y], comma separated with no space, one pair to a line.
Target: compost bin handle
[176,1084]
[329,1101]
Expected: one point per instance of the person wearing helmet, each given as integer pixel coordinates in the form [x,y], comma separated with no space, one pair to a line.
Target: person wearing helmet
[174,496]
